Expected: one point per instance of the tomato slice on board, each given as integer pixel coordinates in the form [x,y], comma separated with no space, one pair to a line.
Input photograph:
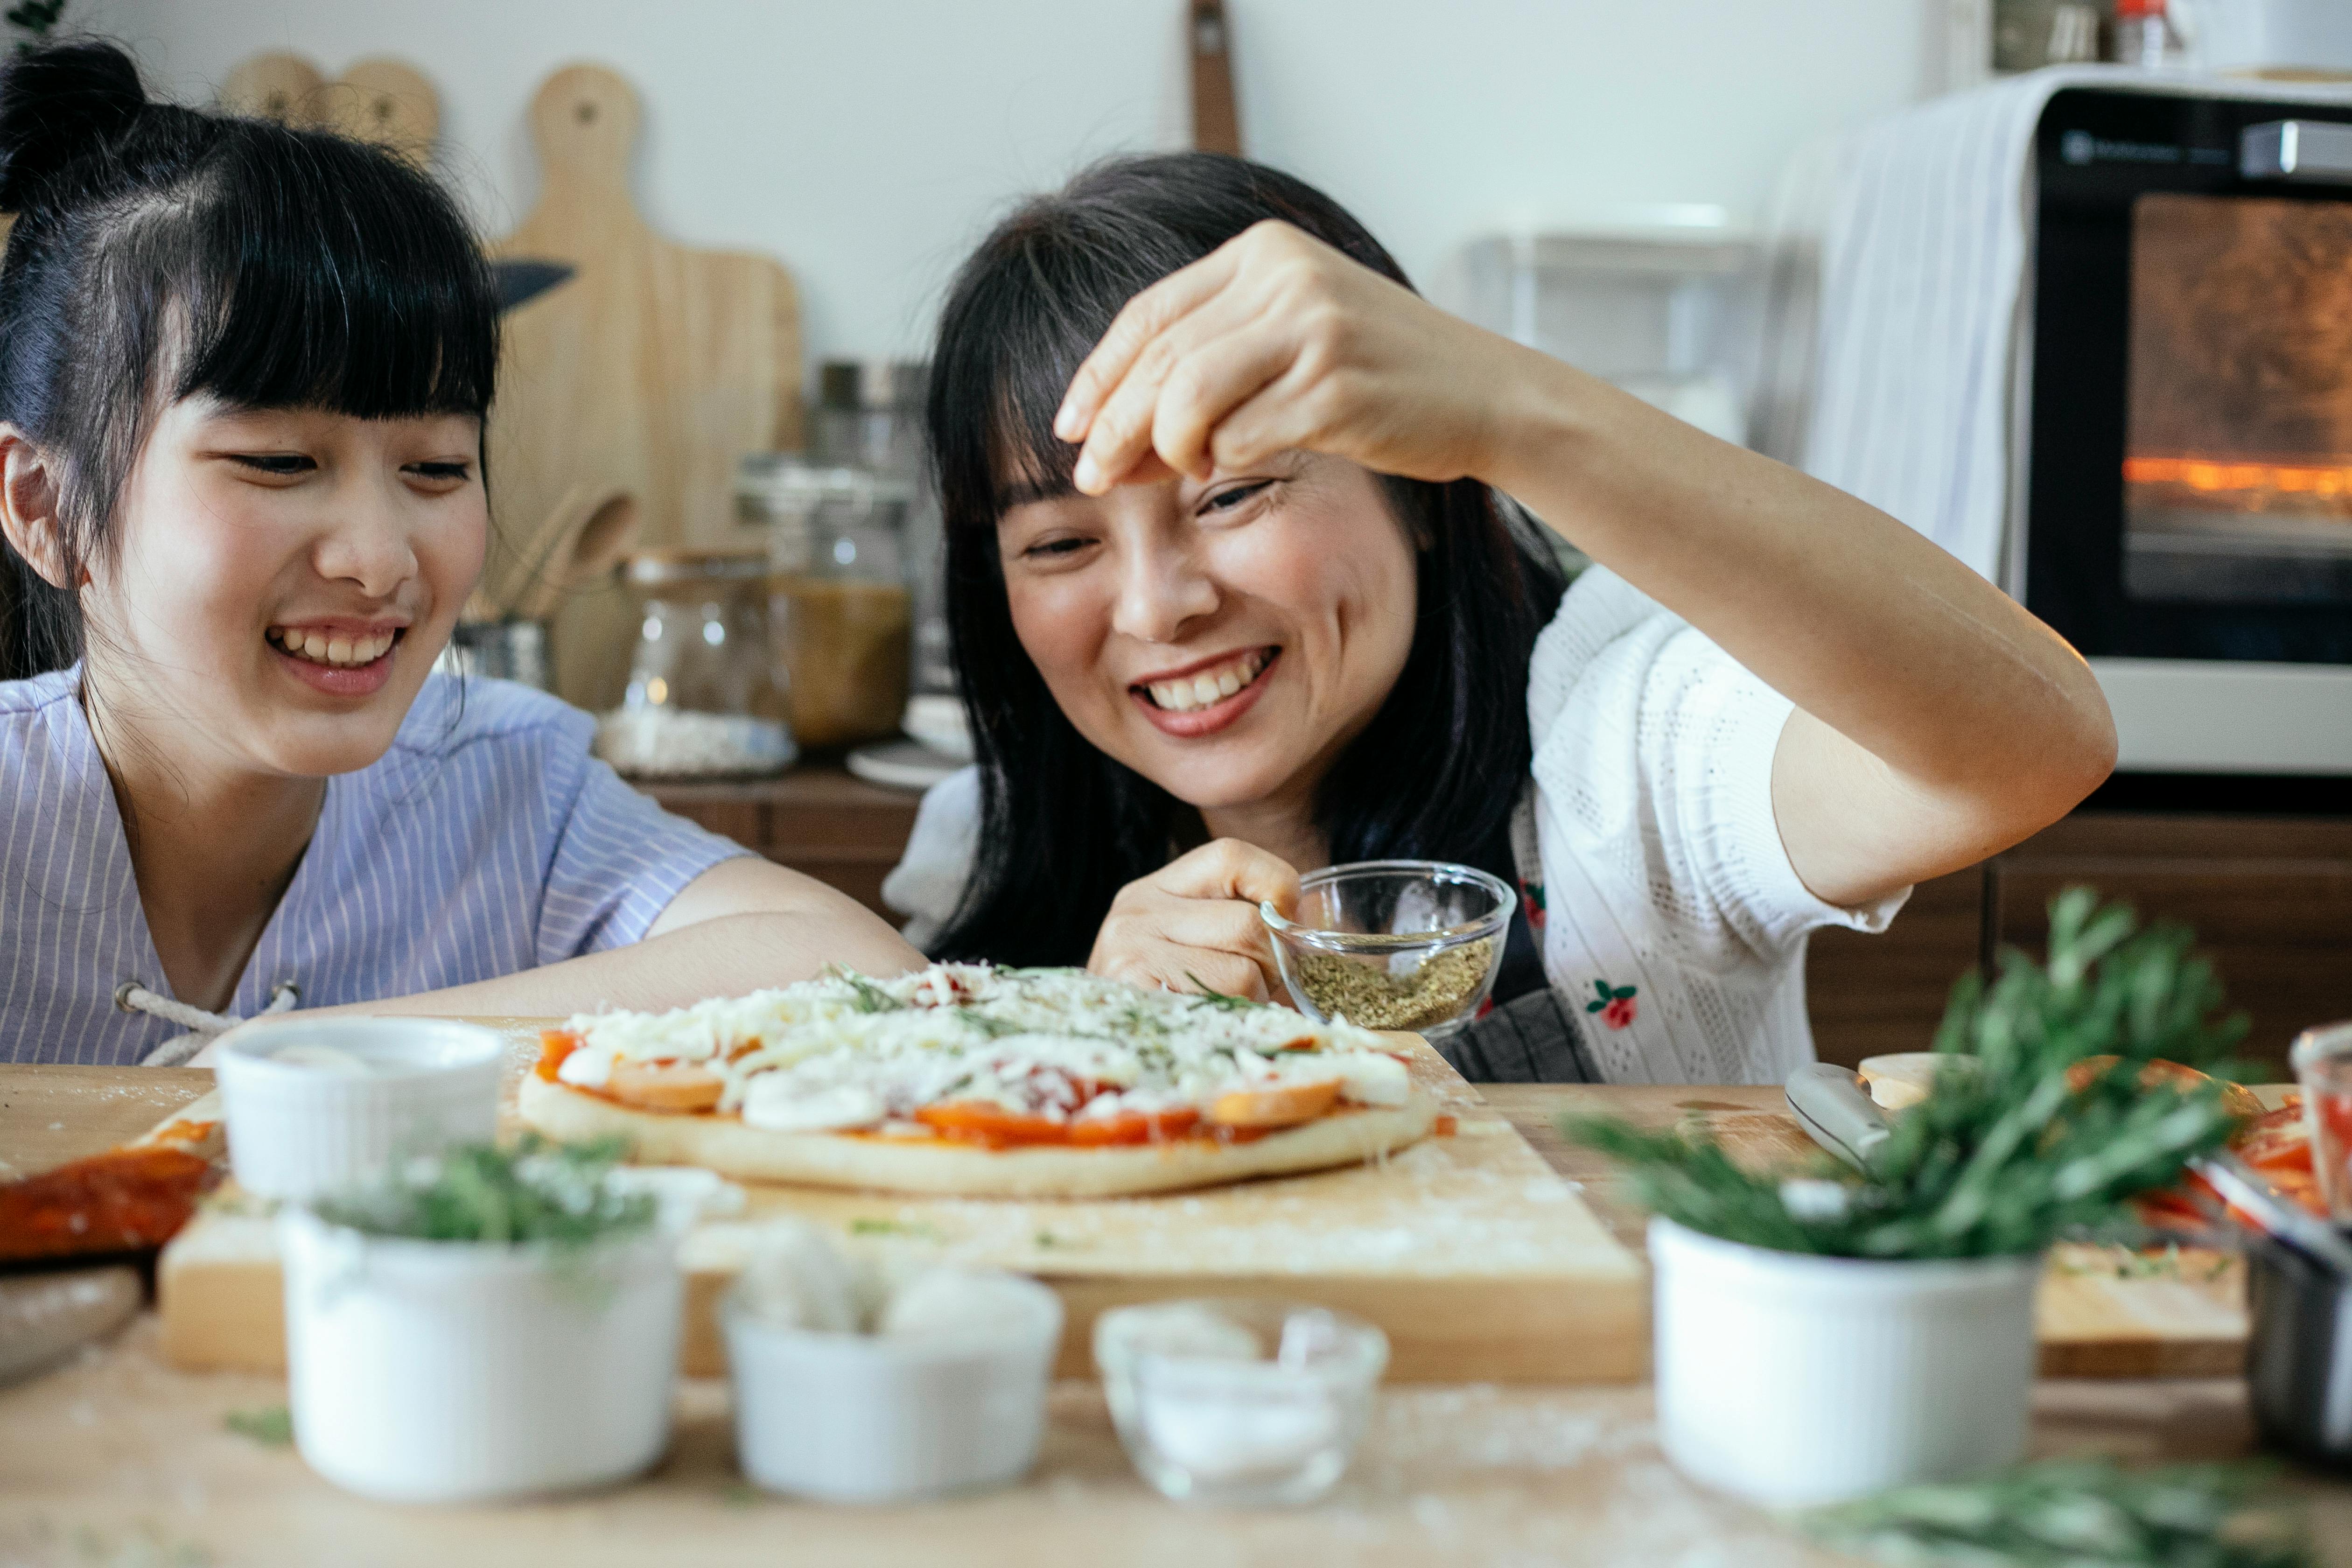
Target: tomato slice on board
[984,1121]
[2276,1140]
[554,1045]
[1134,1127]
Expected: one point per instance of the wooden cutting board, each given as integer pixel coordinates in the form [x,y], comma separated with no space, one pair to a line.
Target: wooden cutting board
[653,369]
[2102,1311]
[51,1112]
[1479,1261]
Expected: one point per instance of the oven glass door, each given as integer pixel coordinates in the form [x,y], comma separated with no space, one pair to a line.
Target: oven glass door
[2190,490]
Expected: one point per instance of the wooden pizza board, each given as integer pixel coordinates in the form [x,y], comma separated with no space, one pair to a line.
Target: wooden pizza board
[1480,1263]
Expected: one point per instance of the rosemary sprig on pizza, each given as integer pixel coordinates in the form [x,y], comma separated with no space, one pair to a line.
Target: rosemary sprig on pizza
[982,1082]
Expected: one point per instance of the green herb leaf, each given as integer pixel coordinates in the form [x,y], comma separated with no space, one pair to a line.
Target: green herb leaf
[271,1426]
[535,1191]
[871,998]
[1216,998]
[916,1229]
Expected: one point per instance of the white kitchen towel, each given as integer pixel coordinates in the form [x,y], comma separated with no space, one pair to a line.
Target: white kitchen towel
[1895,321]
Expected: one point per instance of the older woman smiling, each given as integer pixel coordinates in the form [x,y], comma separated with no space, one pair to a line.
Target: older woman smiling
[1237,593]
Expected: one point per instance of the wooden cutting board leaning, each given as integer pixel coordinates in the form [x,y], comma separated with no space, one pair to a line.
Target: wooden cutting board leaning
[653,369]
[384,101]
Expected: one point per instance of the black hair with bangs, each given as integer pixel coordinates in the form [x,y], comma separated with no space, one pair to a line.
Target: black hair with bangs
[160,253]
[1435,774]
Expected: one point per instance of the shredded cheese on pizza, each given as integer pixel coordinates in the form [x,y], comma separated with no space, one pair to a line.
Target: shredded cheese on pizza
[1052,1047]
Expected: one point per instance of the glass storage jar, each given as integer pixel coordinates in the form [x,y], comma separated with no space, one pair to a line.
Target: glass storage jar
[702,699]
[839,609]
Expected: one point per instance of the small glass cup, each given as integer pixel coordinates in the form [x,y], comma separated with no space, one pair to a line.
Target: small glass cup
[2321,1059]
[1237,1403]
[1394,944]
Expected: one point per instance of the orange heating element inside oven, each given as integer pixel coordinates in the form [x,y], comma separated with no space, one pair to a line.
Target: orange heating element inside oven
[2247,487]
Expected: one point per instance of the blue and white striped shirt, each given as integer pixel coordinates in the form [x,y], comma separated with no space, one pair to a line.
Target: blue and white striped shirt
[485,842]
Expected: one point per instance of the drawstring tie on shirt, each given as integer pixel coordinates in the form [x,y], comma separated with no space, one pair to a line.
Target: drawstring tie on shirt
[132,996]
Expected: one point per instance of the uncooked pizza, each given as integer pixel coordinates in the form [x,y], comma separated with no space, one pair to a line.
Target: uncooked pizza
[982,1082]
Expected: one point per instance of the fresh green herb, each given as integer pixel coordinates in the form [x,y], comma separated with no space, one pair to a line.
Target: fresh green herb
[2082,1513]
[871,998]
[1047,1240]
[738,1494]
[995,1028]
[916,1229]
[1216,998]
[2004,1158]
[271,1426]
[537,1191]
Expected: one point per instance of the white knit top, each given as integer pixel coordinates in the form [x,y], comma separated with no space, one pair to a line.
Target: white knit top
[1665,888]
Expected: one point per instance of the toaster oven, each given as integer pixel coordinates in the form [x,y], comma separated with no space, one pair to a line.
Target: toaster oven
[2186,488]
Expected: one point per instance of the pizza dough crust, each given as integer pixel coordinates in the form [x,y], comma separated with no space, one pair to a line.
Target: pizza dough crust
[725,1144]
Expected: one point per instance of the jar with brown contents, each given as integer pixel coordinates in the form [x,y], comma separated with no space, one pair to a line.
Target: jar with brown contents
[840,613]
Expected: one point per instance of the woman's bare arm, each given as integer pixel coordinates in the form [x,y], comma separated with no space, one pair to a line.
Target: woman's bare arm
[742,925]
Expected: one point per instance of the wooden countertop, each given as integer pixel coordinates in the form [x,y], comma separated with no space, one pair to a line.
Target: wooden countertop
[120,1459]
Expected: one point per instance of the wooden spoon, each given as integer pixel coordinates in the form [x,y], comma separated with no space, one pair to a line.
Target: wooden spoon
[594,549]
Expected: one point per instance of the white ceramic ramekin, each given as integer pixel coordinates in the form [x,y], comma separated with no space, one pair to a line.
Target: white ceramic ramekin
[297,1132]
[849,1417]
[1791,1379]
[455,1371]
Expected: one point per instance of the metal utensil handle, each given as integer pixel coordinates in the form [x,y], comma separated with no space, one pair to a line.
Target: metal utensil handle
[2240,1187]
[1837,1113]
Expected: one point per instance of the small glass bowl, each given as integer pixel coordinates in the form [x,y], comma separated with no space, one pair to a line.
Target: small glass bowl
[1238,1403]
[1394,944]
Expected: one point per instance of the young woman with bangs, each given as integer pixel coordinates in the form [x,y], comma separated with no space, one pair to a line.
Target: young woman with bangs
[1236,593]
[244,371]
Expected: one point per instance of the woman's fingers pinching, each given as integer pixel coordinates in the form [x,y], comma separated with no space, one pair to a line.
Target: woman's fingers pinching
[1140,320]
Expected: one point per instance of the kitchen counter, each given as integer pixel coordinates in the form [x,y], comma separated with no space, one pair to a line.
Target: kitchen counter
[120,1459]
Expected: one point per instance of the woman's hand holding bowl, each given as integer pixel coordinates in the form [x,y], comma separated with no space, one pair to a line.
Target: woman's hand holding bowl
[1193,925]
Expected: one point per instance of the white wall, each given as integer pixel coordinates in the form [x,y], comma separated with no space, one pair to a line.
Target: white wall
[867,143]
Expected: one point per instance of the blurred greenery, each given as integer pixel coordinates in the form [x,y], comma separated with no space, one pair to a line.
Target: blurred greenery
[2013,1146]
[2079,1513]
[536,1191]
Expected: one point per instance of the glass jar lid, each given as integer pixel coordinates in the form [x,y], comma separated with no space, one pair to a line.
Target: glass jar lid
[674,565]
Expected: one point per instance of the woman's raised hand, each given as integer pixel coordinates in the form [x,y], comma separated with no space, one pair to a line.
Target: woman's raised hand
[1194,924]
[1272,343]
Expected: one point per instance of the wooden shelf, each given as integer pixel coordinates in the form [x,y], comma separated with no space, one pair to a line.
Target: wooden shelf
[2270,898]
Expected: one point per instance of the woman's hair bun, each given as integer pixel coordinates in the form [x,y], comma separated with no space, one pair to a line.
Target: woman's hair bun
[58,103]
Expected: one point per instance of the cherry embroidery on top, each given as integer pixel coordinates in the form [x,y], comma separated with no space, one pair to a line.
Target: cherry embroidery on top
[1531,899]
[1614,1004]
